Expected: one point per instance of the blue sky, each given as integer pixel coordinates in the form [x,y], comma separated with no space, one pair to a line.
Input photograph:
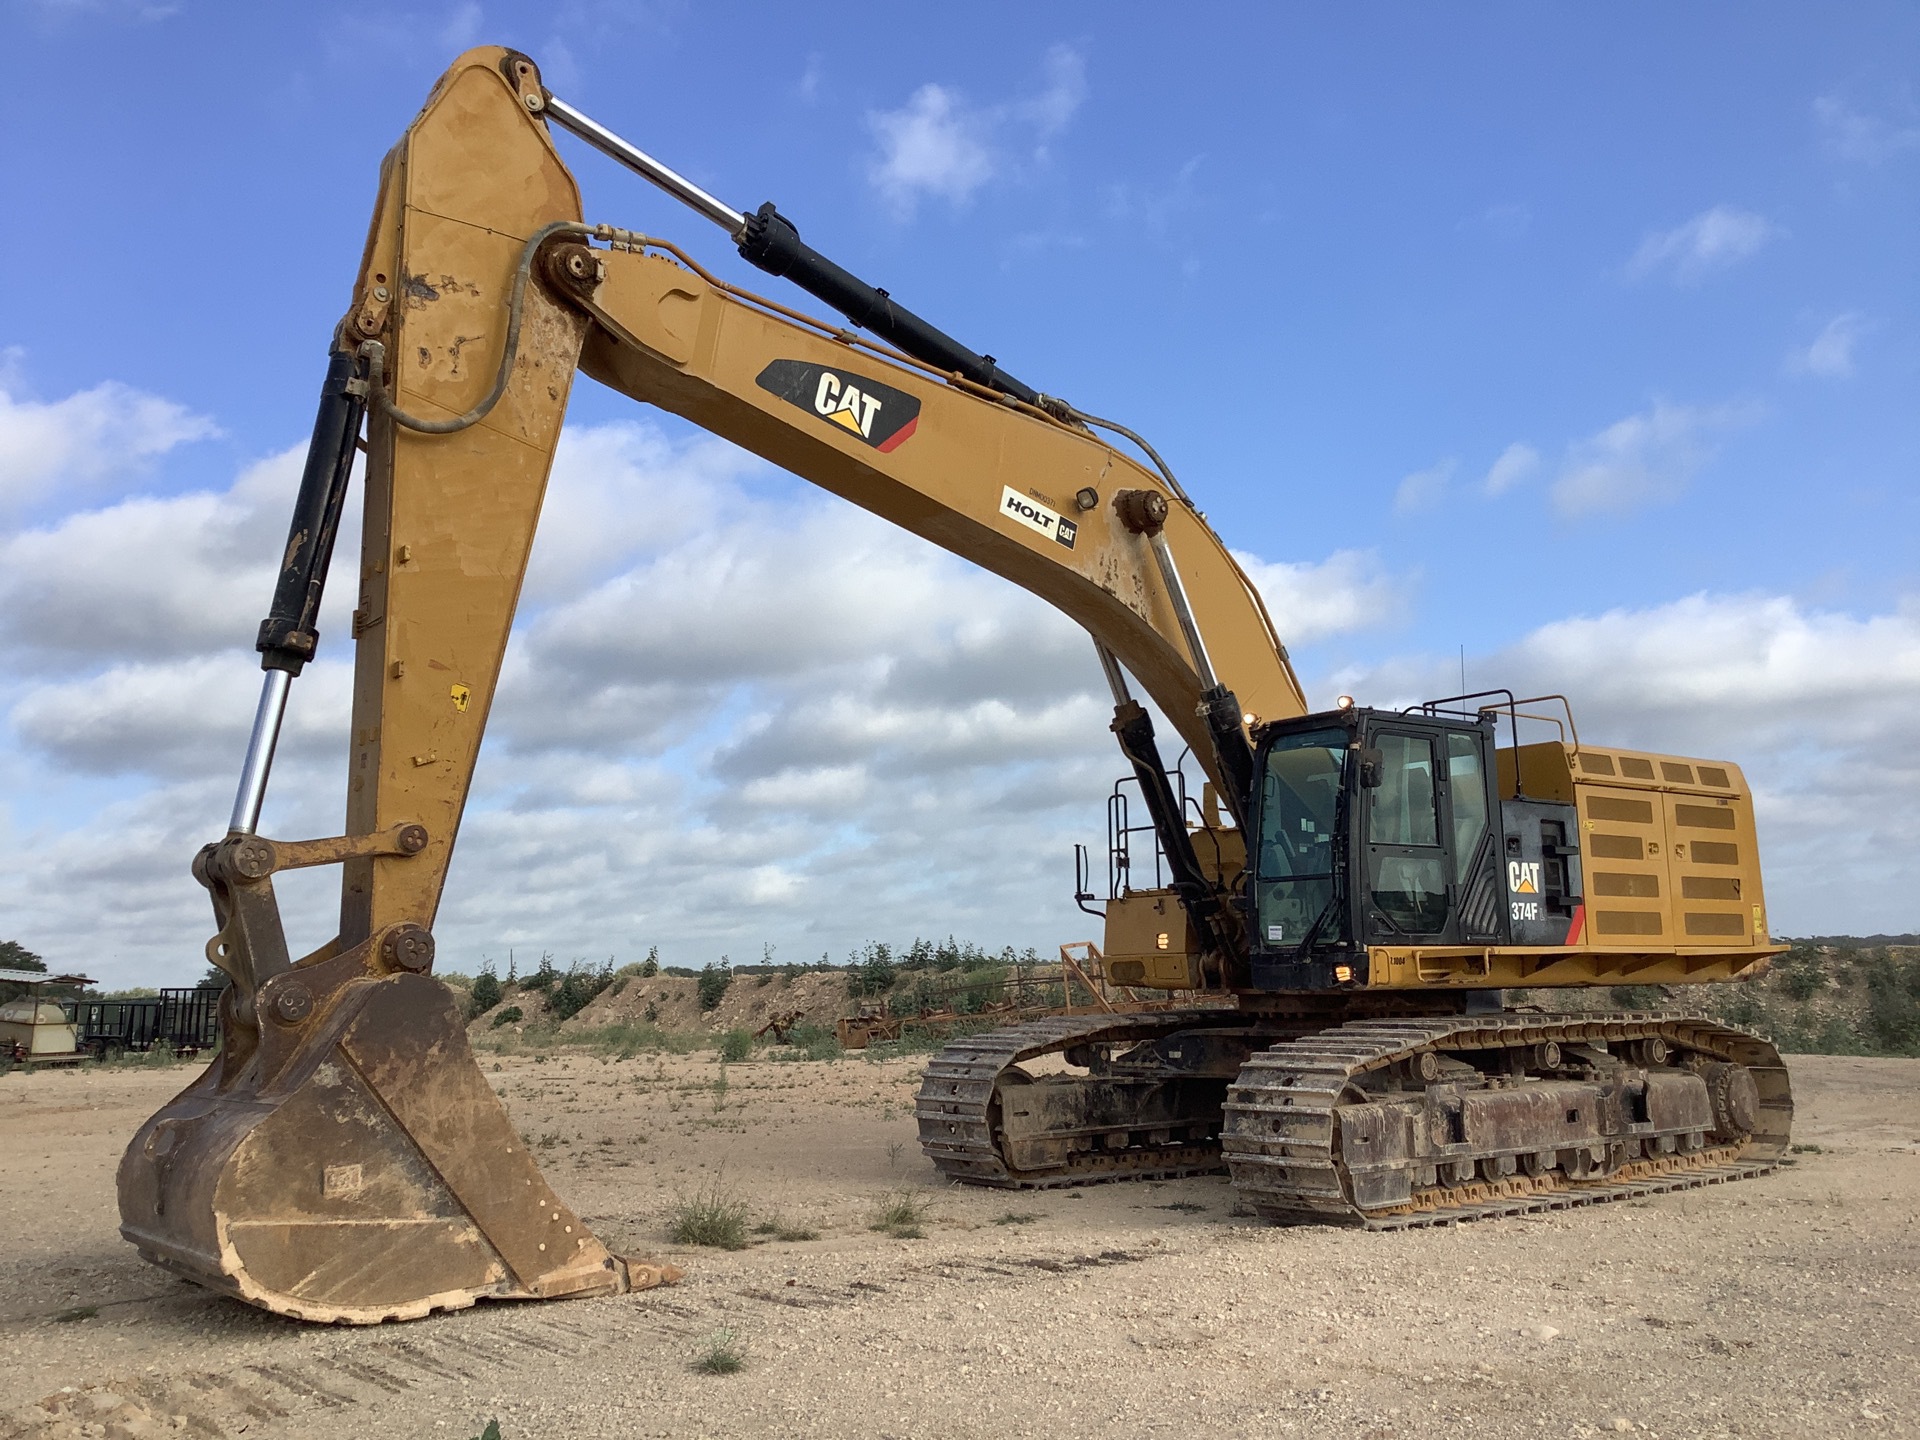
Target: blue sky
[1582,339]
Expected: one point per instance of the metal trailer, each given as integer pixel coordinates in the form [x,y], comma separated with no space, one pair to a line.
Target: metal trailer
[185,1021]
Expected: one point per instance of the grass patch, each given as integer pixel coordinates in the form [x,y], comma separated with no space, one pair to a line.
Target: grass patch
[724,1355]
[492,1432]
[925,1039]
[1808,1150]
[901,1214]
[1185,1207]
[79,1312]
[714,1217]
[779,1228]
[158,1057]
[736,1045]
[510,1016]
[1016,1217]
[809,1042]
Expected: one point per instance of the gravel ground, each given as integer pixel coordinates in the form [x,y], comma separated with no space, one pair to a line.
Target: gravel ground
[1782,1307]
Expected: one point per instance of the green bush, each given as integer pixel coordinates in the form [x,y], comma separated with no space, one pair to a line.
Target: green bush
[1893,1004]
[736,1045]
[509,1016]
[872,971]
[713,985]
[485,994]
[544,977]
[810,1042]
[650,966]
[575,990]
[921,993]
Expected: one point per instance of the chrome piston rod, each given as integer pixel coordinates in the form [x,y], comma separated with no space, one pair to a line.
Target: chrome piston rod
[260,745]
[1177,592]
[644,165]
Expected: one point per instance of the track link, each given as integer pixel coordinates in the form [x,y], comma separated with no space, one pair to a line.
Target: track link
[1281,1139]
[956,1107]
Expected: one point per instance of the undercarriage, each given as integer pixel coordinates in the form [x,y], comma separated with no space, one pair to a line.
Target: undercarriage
[1383,1122]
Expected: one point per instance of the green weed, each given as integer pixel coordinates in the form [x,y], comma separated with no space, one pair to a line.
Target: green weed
[724,1355]
[901,1214]
[778,1228]
[714,1217]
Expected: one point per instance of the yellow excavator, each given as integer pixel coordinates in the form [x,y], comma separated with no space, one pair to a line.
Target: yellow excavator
[1342,907]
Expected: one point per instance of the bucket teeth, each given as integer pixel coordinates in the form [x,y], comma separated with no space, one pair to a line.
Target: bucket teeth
[373,1175]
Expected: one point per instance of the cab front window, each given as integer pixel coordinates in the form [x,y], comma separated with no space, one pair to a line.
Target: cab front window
[1299,815]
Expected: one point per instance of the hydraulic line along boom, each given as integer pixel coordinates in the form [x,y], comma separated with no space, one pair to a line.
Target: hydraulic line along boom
[770,241]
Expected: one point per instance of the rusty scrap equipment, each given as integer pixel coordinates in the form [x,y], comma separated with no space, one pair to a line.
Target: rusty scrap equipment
[1354,893]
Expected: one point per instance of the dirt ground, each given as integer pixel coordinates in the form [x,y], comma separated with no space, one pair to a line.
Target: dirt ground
[1783,1307]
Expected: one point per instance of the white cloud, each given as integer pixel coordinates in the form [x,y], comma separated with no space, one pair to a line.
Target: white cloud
[1348,591]
[461,27]
[734,711]
[1064,91]
[807,87]
[179,720]
[1517,463]
[930,146]
[1815,706]
[149,577]
[939,145]
[1423,489]
[1712,240]
[1644,459]
[1831,353]
[84,439]
[1864,139]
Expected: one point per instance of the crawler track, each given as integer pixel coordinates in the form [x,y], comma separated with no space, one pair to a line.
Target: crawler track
[1282,1133]
[957,1107]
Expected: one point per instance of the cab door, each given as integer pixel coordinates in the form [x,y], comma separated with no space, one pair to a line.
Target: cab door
[1407,861]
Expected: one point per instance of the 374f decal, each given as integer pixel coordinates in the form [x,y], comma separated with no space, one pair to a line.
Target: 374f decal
[877,414]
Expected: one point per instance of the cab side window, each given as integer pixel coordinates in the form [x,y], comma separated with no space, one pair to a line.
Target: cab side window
[1406,863]
[1405,811]
[1467,783]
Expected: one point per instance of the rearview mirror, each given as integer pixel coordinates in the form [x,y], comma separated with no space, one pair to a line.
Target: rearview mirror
[1373,766]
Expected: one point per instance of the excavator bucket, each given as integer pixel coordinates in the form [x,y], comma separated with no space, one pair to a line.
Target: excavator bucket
[343,1158]
[356,1168]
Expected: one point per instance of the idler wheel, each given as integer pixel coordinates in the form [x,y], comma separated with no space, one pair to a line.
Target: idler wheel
[1735,1099]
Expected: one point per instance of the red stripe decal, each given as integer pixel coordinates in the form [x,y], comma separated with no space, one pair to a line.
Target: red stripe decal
[1578,924]
[898,438]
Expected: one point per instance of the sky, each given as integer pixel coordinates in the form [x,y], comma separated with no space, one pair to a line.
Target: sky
[1573,347]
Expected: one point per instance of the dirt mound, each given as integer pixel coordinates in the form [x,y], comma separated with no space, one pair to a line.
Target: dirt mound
[749,1002]
[672,1002]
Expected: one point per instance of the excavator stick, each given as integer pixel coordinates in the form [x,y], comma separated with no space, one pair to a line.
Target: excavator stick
[343,1158]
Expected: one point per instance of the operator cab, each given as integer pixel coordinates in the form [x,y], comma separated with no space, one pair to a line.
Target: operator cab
[1382,827]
